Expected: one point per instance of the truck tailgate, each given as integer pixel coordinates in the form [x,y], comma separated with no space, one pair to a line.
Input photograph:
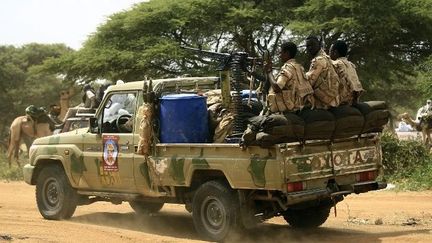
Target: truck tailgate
[327,160]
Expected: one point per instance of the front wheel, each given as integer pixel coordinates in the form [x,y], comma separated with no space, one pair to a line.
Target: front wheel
[146,207]
[215,211]
[307,217]
[55,197]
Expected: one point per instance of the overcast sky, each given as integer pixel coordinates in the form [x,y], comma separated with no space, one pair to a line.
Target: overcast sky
[55,21]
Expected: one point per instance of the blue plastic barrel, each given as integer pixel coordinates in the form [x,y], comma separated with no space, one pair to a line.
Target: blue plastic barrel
[247,92]
[183,119]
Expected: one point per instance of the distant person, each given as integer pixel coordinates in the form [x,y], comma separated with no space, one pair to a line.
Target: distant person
[89,97]
[289,91]
[100,94]
[53,113]
[404,127]
[40,115]
[424,111]
[352,88]
[322,76]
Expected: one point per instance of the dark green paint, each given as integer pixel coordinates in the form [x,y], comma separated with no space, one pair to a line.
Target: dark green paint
[77,167]
[77,164]
[302,165]
[257,170]
[145,173]
[98,165]
[200,162]
[52,141]
[176,170]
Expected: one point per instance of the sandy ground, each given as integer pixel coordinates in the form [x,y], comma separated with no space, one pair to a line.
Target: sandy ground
[409,135]
[383,216]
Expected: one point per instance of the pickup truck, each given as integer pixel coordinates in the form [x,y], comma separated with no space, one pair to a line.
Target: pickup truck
[225,186]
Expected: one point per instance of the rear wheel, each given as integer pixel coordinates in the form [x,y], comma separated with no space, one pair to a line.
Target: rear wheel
[215,211]
[55,197]
[146,207]
[307,217]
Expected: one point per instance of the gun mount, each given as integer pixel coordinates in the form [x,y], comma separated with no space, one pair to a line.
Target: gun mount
[235,65]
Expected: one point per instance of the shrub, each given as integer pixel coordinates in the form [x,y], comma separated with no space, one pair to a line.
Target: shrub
[407,163]
[10,174]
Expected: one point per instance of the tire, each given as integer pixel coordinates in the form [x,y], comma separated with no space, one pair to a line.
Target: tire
[146,207]
[55,197]
[307,217]
[215,211]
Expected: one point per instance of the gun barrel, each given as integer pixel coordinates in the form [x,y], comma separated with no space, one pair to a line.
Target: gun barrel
[225,58]
[207,53]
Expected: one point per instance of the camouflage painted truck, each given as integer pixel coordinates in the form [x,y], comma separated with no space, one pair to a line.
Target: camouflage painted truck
[224,186]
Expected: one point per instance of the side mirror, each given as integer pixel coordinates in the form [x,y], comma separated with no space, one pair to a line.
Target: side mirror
[94,127]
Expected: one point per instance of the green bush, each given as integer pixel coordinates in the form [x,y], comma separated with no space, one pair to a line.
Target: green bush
[421,179]
[407,163]
[10,174]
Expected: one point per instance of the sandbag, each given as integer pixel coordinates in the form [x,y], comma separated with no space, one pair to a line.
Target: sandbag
[224,127]
[375,115]
[281,129]
[214,117]
[292,131]
[266,140]
[375,121]
[319,124]
[264,123]
[249,137]
[349,121]
[369,106]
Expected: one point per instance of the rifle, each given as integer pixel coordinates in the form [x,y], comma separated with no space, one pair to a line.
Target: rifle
[264,84]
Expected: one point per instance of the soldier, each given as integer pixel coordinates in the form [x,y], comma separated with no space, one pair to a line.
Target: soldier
[351,86]
[289,91]
[89,97]
[424,111]
[322,76]
[54,112]
[101,93]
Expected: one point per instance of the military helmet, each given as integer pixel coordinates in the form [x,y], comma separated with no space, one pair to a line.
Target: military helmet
[31,110]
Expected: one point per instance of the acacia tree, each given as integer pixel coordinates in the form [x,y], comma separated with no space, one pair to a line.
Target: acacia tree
[146,39]
[387,38]
[21,82]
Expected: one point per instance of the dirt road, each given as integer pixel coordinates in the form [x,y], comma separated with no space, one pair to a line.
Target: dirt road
[383,216]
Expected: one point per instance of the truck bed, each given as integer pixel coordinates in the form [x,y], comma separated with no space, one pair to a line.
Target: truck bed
[314,163]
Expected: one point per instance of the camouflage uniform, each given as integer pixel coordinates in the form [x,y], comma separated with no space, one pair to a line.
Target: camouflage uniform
[324,81]
[349,79]
[295,88]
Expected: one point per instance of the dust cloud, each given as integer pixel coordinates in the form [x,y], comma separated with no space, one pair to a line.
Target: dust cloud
[405,217]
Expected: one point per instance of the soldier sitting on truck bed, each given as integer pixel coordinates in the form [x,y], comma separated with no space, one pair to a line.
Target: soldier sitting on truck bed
[322,76]
[347,73]
[290,90]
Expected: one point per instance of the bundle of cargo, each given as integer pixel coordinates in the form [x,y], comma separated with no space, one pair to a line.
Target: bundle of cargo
[317,124]
[376,115]
[217,112]
[266,131]
[349,121]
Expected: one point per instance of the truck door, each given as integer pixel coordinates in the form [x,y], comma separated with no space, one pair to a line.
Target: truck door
[108,155]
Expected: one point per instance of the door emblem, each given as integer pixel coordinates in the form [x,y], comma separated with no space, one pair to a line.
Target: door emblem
[110,153]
